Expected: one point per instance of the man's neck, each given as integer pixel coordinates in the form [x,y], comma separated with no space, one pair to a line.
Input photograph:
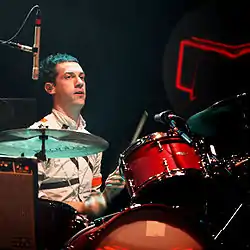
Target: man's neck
[74,114]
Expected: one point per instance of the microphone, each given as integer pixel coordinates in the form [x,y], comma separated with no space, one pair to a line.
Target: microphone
[36,46]
[165,116]
[168,117]
[19,46]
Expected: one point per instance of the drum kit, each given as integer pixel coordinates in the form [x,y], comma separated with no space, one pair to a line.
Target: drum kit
[188,186]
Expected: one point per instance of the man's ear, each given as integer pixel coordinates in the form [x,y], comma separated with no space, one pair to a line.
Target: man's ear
[49,88]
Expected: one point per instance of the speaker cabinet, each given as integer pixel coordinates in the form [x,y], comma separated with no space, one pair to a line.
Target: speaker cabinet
[18,192]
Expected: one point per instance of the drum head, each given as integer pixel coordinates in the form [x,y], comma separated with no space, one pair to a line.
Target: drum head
[147,227]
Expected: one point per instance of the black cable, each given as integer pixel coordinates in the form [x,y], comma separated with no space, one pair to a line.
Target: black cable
[20,29]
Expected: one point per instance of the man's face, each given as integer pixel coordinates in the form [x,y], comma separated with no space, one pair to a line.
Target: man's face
[70,87]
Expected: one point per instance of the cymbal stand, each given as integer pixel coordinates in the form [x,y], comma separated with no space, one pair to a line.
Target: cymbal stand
[228,222]
[42,155]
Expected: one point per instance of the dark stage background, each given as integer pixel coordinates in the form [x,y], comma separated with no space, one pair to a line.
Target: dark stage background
[129,50]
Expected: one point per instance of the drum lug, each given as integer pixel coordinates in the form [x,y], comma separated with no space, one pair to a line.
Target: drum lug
[132,186]
[159,146]
[165,164]
[95,234]
[129,180]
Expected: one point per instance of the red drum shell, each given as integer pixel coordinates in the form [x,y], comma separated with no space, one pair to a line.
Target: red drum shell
[160,161]
[145,227]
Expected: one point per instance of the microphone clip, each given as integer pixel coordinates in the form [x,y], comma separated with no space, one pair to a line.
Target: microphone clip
[169,118]
[21,47]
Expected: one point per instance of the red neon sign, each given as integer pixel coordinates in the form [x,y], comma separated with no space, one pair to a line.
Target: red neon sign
[230,51]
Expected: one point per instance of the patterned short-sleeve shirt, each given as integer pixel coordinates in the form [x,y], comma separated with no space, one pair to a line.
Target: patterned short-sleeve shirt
[68,179]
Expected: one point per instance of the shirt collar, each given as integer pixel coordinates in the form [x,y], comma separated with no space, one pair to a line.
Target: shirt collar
[68,122]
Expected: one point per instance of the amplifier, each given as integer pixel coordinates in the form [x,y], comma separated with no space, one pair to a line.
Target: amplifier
[18,194]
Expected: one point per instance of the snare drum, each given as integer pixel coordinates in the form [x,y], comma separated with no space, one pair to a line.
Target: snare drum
[145,227]
[162,165]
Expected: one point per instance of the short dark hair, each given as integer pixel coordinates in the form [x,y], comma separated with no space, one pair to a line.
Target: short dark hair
[48,66]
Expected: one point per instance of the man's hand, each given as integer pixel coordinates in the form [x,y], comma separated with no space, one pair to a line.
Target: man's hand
[97,202]
[114,184]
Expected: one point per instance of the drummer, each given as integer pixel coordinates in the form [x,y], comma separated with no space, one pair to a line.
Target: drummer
[75,181]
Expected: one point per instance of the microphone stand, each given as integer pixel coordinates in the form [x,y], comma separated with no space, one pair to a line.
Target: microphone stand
[174,127]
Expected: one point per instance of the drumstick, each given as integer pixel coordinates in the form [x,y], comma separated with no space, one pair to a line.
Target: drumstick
[240,162]
[136,135]
[140,126]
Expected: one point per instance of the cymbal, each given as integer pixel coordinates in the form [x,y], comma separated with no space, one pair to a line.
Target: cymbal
[231,114]
[225,124]
[52,143]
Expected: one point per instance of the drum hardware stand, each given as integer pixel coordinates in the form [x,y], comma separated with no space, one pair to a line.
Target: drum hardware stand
[209,161]
[228,222]
[41,155]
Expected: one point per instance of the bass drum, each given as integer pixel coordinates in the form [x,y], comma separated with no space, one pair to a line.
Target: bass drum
[57,222]
[145,227]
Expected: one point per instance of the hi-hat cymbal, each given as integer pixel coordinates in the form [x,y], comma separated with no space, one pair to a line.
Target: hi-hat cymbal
[51,143]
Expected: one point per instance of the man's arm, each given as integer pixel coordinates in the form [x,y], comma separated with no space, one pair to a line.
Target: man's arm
[98,201]
[95,203]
